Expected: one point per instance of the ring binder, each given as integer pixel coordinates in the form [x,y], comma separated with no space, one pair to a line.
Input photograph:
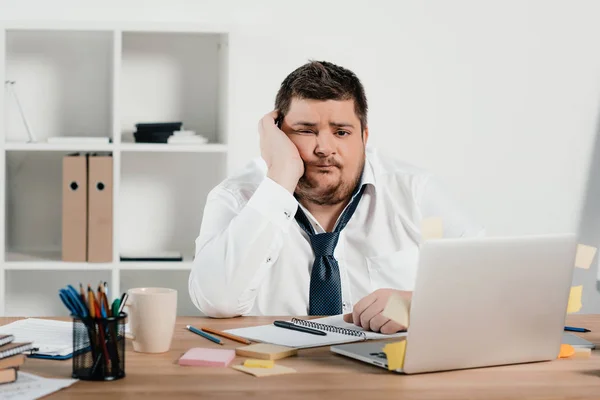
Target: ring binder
[329,328]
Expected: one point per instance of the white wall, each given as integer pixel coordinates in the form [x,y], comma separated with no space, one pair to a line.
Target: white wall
[500,98]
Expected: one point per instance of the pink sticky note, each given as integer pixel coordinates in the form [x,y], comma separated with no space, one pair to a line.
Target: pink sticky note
[207,357]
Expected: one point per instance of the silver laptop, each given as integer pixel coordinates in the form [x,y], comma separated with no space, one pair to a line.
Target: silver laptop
[482,302]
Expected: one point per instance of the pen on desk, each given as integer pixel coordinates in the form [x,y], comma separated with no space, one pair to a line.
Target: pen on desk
[204,335]
[289,325]
[575,329]
[226,335]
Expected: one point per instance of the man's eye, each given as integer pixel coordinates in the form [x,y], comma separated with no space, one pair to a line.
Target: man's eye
[343,133]
[305,132]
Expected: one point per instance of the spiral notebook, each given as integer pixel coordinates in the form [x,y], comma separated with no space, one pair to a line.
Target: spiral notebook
[338,331]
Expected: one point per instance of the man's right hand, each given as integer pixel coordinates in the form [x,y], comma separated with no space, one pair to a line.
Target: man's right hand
[285,166]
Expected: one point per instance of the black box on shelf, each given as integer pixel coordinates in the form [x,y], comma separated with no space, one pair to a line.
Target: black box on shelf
[155,132]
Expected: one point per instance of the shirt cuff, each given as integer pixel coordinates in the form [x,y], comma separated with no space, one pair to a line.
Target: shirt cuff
[274,202]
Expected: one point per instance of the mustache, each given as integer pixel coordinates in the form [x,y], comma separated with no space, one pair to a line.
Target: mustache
[324,163]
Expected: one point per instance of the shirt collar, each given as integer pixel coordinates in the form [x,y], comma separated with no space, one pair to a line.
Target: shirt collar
[368,174]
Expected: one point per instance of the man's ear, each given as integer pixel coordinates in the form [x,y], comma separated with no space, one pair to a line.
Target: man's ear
[365,135]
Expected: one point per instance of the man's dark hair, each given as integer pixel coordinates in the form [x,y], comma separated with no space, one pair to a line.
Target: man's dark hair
[322,80]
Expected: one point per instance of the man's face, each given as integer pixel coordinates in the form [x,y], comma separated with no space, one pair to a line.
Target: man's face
[328,137]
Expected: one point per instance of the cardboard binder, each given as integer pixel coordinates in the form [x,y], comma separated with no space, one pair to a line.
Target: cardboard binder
[100,208]
[74,208]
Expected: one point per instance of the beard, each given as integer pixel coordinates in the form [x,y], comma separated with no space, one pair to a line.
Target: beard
[310,190]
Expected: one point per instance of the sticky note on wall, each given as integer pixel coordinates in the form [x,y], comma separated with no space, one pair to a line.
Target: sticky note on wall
[585,256]
[432,228]
[395,354]
[575,299]
[398,310]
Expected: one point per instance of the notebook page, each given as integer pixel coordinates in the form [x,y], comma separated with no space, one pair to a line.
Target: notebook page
[287,337]
[338,320]
[51,337]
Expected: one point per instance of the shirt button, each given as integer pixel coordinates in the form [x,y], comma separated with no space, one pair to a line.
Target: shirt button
[268,259]
[288,215]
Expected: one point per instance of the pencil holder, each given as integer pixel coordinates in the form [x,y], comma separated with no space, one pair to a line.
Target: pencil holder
[99,346]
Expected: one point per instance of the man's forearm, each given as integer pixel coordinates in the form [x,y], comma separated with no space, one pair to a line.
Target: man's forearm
[231,263]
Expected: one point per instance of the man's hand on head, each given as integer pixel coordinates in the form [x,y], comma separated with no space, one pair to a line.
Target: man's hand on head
[367,312]
[285,166]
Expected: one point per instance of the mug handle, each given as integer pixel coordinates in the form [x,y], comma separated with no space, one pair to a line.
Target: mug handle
[128,303]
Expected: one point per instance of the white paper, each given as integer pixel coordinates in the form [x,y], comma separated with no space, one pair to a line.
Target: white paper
[79,139]
[51,337]
[29,386]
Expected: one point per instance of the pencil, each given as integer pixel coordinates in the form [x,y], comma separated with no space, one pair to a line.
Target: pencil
[204,335]
[226,335]
[91,303]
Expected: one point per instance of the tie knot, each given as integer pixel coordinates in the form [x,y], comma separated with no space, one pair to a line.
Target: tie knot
[323,244]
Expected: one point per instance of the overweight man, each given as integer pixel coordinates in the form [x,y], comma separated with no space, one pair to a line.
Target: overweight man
[319,224]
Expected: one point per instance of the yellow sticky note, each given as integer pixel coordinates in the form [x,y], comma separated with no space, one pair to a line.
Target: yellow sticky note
[566,351]
[432,228]
[582,353]
[260,372]
[585,256]
[395,354]
[575,299]
[397,309]
[259,363]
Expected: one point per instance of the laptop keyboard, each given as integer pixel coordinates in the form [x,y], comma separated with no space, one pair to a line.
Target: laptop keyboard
[379,355]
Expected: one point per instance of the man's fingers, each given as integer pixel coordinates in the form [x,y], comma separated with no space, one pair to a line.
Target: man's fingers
[348,318]
[361,306]
[377,322]
[370,313]
[391,327]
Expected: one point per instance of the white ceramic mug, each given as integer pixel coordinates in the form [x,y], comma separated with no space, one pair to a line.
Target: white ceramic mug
[151,313]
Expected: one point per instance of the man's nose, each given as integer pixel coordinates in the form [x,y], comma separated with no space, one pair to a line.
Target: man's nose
[325,144]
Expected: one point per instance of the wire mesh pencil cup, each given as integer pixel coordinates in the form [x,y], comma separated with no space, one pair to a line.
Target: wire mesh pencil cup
[99,348]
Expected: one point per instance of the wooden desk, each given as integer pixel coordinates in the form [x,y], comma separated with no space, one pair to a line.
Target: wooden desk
[322,374]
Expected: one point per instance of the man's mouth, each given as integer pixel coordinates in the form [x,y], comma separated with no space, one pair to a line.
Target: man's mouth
[324,165]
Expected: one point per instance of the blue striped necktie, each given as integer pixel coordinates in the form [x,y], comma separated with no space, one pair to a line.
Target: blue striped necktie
[325,282]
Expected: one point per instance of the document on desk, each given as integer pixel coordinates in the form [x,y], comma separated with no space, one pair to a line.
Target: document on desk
[52,338]
[29,386]
[338,331]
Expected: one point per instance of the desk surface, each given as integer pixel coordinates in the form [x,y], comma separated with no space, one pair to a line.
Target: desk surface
[322,374]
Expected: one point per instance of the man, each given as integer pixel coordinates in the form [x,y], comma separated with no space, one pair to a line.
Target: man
[319,224]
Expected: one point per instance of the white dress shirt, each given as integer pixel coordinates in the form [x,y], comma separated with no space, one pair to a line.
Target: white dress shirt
[252,257]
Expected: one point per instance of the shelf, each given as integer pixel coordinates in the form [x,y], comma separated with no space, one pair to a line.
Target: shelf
[130,147]
[155,265]
[73,71]
[56,266]
[48,261]
[132,73]
[176,148]
[22,146]
[168,77]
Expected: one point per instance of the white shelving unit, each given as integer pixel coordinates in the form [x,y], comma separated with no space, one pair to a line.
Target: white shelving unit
[99,80]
